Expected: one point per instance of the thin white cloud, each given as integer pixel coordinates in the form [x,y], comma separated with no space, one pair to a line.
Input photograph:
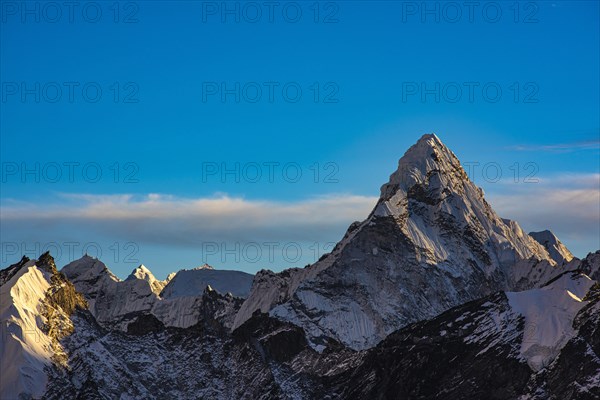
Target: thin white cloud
[560,147]
[559,181]
[164,219]
[158,206]
[567,204]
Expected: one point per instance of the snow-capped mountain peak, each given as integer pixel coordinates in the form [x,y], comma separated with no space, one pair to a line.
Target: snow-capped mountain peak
[432,242]
[145,274]
[88,267]
[174,301]
[26,346]
[557,250]
[426,157]
[141,272]
[429,188]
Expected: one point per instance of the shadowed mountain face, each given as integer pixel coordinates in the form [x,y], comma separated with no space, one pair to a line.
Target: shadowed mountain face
[432,242]
[432,296]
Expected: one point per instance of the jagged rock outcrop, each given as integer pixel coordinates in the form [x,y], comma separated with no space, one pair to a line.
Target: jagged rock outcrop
[590,265]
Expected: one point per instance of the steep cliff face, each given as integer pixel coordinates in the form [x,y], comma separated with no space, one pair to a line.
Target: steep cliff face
[61,301]
[591,265]
[432,242]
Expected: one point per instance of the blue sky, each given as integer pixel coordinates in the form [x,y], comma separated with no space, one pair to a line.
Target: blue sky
[189,89]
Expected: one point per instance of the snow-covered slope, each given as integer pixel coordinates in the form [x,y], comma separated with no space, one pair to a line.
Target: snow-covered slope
[549,313]
[475,351]
[432,242]
[26,349]
[575,372]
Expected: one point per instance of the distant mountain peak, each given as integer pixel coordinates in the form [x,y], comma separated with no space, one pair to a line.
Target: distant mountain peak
[557,250]
[141,272]
[87,266]
[203,266]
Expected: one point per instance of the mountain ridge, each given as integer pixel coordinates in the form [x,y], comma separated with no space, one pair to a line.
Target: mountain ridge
[433,294]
